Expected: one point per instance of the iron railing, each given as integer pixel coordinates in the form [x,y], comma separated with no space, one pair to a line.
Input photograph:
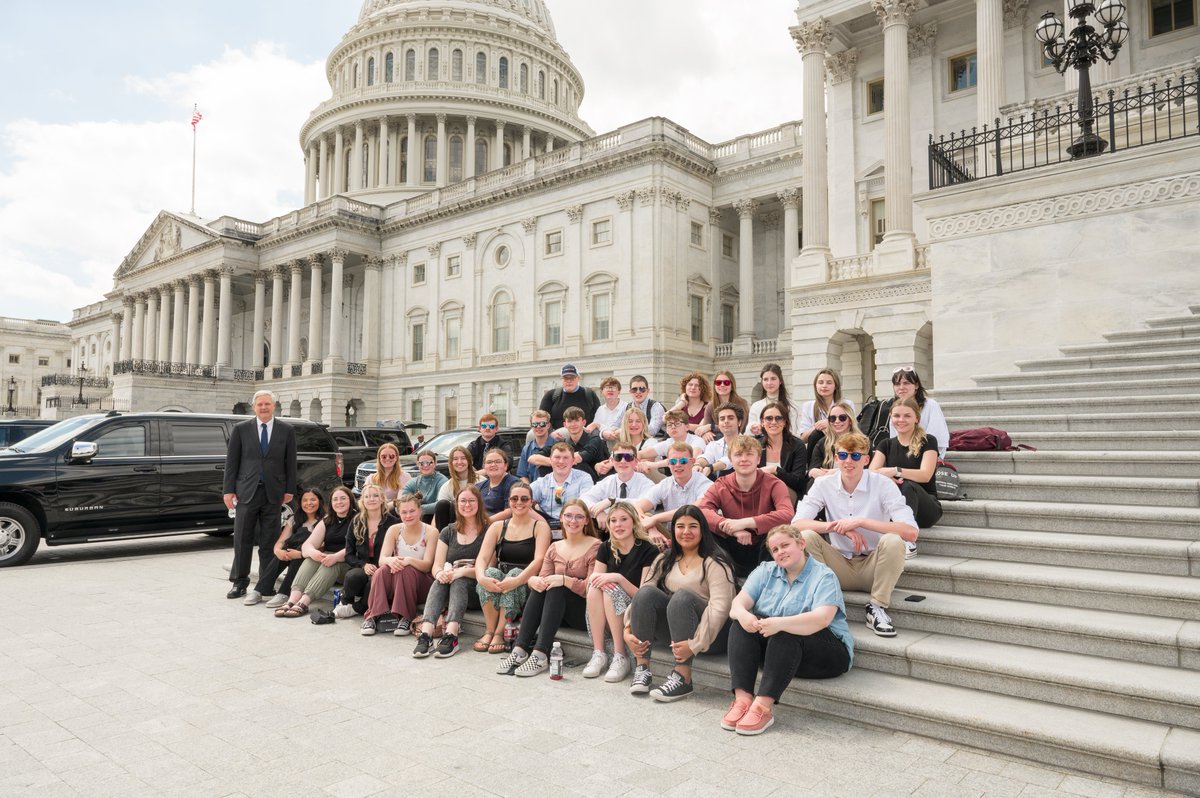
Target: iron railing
[247,375]
[67,379]
[318,367]
[297,370]
[1132,117]
[359,369]
[163,368]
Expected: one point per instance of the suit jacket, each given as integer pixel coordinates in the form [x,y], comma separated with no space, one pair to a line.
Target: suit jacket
[245,466]
[793,462]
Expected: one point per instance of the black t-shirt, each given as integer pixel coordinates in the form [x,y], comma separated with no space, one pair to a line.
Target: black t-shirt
[896,456]
[556,401]
[457,552]
[632,564]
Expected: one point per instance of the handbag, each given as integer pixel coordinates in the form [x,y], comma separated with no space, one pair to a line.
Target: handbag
[946,482]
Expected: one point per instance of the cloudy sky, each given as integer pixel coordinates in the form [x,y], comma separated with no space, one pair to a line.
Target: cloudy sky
[95,140]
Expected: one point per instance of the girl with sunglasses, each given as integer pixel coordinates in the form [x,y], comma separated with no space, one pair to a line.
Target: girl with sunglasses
[724,392]
[388,473]
[822,446]
[783,455]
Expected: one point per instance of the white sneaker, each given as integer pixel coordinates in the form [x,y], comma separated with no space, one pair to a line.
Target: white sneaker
[618,671]
[278,600]
[595,665]
[910,550]
[344,611]
[252,598]
[879,622]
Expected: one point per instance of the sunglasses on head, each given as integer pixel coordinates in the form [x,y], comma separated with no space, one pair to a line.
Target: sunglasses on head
[678,461]
[839,418]
[487,425]
[855,456]
[624,457]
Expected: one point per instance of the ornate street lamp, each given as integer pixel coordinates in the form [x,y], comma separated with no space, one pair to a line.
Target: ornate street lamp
[82,372]
[1080,49]
[12,389]
[351,412]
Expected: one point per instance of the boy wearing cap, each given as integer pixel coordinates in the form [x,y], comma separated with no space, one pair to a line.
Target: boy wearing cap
[556,400]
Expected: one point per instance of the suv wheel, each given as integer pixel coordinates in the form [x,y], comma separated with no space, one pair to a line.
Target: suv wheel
[19,534]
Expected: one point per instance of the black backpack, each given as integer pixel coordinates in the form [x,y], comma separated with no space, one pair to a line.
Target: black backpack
[873,420]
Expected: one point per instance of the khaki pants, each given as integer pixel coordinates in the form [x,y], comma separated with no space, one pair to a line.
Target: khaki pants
[876,572]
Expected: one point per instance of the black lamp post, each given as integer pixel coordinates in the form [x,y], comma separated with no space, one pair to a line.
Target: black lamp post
[12,389]
[351,412]
[1080,49]
[82,372]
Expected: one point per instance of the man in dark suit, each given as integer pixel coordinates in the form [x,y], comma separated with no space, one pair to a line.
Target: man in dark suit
[260,476]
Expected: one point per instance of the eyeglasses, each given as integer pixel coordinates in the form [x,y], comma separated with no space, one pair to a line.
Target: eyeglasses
[722,382]
[676,423]
[838,419]
[638,389]
[488,425]
[519,499]
[855,456]
[624,457]
[540,424]
[573,517]
[772,419]
[678,461]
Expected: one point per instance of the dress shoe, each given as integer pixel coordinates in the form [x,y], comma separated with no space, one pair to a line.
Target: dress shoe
[235,592]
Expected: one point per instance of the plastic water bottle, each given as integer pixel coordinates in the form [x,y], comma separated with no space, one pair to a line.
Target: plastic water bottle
[556,661]
[510,635]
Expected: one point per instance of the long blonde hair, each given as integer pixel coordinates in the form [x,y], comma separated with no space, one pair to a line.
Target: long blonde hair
[639,531]
[625,434]
[360,524]
[917,442]
[831,436]
[392,480]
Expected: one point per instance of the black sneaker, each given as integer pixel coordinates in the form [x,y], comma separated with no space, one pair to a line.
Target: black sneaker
[368,627]
[879,622]
[424,643]
[403,628]
[673,689]
[642,677]
[447,646]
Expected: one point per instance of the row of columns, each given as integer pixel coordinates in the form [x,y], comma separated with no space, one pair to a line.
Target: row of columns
[325,157]
[746,210]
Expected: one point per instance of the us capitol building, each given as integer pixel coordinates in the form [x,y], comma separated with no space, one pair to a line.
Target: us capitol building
[465,232]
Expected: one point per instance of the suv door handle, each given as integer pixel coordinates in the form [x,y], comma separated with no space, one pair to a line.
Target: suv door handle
[145,469]
[219,467]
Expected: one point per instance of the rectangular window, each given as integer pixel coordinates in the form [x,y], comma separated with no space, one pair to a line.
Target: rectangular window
[414,410]
[123,441]
[453,265]
[875,97]
[14,359]
[418,342]
[963,72]
[696,305]
[453,332]
[197,439]
[553,334]
[554,242]
[726,324]
[43,361]
[1171,15]
[418,276]
[726,245]
[601,232]
[697,234]
[601,313]
[450,412]
[499,405]
[878,222]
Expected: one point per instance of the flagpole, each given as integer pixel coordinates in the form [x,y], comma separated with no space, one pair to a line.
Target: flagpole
[195,108]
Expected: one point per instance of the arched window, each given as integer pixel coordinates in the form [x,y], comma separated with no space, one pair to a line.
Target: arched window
[554,97]
[481,156]
[430,159]
[456,159]
[389,63]
[410,65]
[481,67]
[503,72]
[431,64]
[502,310]
[524,78]
[354,83]
[404,159]
[371,71]
[541,85]
[456,66]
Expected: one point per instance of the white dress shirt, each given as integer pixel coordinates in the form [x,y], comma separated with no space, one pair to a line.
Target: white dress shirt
[671,495]
[610,488]
[876,497]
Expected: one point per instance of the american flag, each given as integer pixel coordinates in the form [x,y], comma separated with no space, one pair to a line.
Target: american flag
[196,117]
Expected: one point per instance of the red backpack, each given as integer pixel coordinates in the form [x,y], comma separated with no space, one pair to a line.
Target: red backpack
[983,439]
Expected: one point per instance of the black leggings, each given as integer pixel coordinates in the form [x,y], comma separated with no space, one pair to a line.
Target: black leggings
[356,587]
[925,506]
[782,656]
[545,612]
[443,513]
[289,574]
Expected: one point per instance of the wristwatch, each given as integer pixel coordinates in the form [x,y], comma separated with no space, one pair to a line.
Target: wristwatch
[897,472]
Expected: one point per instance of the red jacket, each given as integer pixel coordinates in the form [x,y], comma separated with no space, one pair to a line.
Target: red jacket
[768,501]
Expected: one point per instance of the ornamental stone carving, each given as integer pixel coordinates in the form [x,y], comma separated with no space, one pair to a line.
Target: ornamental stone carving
[770,220]
[745,208]
[668,198]
[529,224]
[337,253]
[893,12]
[683,203]
[1014,13]
[625,200]
[278,271]
[646,195]
[261,277]
[170,242]
[574,213]
[374,263]
[315,261]
[922,39]
[225,271]
[840,67]
[469,240]
[812,36]
[790,197]
[434,249]
[864,295]
[714,216]
[297,266]
[400,259]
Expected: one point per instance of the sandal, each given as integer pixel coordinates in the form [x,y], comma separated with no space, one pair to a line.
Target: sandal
[281,612]
[481,644]
[297,610]
[497,648]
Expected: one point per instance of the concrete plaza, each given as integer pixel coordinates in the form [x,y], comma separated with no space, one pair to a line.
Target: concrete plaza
[124,671]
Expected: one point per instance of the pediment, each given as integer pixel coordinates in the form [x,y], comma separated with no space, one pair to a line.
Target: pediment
[167,236]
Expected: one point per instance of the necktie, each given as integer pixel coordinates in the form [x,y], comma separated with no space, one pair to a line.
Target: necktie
[262,440]
[624,490]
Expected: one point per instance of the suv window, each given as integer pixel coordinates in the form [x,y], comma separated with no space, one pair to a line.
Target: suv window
[197,439]
[348,438]
[123,440]
[312,438]
[380,437]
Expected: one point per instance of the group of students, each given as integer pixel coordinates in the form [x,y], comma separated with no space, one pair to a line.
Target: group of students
[608,529]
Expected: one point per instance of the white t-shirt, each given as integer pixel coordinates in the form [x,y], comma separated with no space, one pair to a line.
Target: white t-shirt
[756,409]
[606,419]
[610,488]
[662,447]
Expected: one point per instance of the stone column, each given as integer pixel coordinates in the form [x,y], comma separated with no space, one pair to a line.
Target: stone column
[310,175]
[137,336]
[812,39]
[469,150]
[179,328]
[163,340]
[989,43]
[745,210]
[208,327]
[260,314]
[314,308]
[339,163]
[549,142]
[412,151]
[125,352]
[893,16]
[277,274]
[225,316]
[498,155]
[323,168]
[356,158]
[150,334]
[384,154]
[370,323]
[443,161]
[337,258]
[790,198]
[192,353]
[525,131]
[294,300]
[117,338]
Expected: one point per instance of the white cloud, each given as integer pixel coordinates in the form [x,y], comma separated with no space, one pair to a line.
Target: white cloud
[77,197]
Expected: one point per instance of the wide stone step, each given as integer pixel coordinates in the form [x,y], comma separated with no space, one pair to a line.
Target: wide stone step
[1100,404]
[1065,549]
[1146,346]
[1108,374]
[1119,591]
[1065,421]
[1183,322]
[1149,692]
[1106,441]
[1159,333]
[1100,463]
[1180,357]
[1136,490]
[1168,523]
[1029,386]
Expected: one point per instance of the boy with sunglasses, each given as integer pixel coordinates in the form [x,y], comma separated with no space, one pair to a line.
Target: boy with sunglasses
[868,523]
[539,428]
[625,483]
[686,486]
[489,427]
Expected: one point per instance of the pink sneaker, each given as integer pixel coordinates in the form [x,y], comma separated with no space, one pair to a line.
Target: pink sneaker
[755,721]
[737,710]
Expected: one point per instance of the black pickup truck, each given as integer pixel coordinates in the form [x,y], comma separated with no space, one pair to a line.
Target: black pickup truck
[129,475]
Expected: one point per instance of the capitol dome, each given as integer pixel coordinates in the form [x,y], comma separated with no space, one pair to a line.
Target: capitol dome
[427,93]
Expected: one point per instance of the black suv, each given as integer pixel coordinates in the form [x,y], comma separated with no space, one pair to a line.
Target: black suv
[18,429]
[102,477]
[359,444]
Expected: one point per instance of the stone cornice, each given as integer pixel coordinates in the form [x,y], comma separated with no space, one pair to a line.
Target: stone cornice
[860,296]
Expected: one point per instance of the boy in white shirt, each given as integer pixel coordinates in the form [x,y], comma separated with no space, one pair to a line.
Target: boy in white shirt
[676,424]
[714,462]
[686,486]
[624,484]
